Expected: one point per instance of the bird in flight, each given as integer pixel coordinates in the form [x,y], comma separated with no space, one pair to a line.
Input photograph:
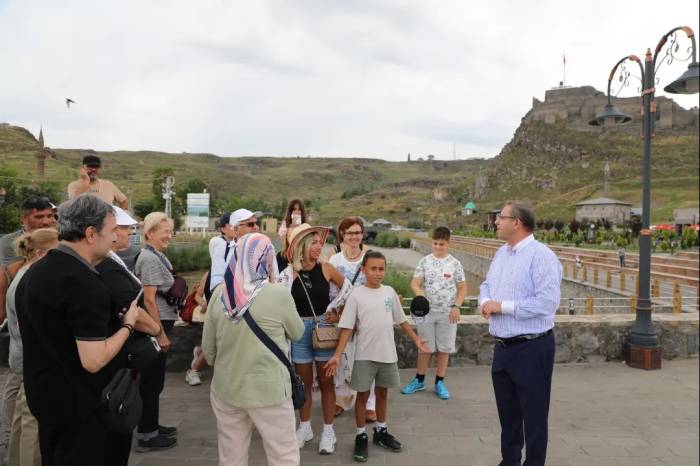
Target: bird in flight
[69,101]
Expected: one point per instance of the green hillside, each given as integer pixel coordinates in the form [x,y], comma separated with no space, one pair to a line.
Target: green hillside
[555,167]
[551,166]
[372,188]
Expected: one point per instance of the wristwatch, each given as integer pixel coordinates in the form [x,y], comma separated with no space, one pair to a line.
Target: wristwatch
[456,305]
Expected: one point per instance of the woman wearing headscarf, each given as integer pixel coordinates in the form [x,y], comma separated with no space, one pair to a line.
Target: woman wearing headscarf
[251,387]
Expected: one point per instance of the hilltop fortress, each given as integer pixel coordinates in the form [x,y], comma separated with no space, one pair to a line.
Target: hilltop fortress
[576,106]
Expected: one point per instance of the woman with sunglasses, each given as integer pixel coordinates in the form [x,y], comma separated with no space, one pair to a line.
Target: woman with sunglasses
[310,281]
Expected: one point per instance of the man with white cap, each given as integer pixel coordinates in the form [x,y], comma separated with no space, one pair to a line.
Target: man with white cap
[241,222]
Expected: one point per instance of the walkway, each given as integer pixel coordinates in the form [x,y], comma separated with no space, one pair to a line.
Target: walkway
[601,415]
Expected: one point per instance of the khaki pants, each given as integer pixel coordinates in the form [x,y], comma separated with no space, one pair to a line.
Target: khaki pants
[276,425]
[12,384]
[24,439]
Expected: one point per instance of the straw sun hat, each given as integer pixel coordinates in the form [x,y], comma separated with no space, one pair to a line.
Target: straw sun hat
[295,235]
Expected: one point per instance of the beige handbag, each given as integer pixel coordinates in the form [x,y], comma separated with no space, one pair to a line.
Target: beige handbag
[321,337]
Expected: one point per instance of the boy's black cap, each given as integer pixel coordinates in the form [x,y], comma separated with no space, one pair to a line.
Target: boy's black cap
[92,161]
[420,306]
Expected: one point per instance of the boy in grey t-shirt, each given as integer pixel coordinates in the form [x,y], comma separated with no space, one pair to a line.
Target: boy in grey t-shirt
[440,278]
[373,309]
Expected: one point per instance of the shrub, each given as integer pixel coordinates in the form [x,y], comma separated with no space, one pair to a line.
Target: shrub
[405,242]
[387,239]
[399,280]
[189,257]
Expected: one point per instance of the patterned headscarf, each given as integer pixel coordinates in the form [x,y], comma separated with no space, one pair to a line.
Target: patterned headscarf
[250,266]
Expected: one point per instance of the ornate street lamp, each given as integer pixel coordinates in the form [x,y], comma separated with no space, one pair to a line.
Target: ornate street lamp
[642,349]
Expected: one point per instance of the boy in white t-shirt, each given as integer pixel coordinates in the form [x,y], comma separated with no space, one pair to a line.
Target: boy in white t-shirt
[440,278]
[373,309]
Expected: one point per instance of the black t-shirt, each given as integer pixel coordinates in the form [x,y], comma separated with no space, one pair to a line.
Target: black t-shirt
[61,299]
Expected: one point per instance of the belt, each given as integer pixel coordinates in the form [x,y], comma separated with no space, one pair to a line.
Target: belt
[506,342]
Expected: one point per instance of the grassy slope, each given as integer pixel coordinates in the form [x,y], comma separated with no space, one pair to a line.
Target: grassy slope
[555,167]
[392,186]
[549,165]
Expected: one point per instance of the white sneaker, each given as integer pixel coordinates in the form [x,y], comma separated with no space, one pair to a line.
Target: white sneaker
[192,377]
[304,435]
[327,445]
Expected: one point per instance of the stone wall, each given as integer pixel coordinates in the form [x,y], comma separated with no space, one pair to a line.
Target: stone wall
[579,339]
[578,105]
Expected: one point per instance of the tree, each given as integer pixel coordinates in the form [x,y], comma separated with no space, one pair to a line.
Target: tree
[548,224]
[635,225]
[574,226]
[558,225]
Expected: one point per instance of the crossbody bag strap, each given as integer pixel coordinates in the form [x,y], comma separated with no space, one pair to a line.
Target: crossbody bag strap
[169,268]
[357,274]
[308,298]
[267,341]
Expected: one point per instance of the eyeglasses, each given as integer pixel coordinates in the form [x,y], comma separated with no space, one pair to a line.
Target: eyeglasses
[352,233]
[499,217]
[250,224]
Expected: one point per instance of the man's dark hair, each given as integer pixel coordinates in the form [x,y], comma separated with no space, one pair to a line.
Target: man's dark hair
[524,213]
[371,254]
[441,233]
[33,203]
[77,215]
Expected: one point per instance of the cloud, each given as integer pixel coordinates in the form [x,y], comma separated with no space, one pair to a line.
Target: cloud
[365,78]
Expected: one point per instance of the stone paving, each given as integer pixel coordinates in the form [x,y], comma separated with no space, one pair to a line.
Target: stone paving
[601,415]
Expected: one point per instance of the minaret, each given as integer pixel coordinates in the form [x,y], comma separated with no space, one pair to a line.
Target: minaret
[41,154]
[606,179]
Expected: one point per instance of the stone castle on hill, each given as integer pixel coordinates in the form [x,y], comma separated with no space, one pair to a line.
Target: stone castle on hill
[578,105]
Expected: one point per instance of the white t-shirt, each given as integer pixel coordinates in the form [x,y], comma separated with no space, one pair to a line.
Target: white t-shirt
[347,268]
[440,279]
[374,311]
[217,253]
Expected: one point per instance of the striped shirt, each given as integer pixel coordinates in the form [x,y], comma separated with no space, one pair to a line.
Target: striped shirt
[526,279]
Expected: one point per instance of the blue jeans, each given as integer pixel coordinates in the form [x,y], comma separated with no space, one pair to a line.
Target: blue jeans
[303,351]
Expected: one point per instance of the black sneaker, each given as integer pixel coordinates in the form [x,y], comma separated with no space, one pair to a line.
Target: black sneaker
[361,452]
[159,442]
[384,439]
[167,431]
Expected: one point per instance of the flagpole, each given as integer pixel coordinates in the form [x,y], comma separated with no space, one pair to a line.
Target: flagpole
[564,68]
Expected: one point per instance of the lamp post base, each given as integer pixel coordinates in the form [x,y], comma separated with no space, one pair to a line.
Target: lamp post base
[642,357]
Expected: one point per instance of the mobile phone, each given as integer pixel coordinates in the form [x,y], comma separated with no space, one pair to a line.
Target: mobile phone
[139,297]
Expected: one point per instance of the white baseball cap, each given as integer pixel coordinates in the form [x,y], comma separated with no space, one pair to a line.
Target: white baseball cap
[123,217]
[242,214]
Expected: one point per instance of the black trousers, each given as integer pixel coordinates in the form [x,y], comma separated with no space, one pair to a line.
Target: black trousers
[150,388]
[522,382]
[84,444]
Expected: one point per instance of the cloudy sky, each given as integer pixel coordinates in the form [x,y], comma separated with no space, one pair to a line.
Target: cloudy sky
[340,78]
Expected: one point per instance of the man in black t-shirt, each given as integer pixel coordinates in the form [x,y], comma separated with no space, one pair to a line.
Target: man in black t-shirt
[71,336]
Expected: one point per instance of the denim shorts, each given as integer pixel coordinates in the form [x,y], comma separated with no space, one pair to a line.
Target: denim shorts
[303,351]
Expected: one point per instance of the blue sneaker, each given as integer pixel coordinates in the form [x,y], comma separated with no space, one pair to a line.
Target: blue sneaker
[441,391]
[413,386]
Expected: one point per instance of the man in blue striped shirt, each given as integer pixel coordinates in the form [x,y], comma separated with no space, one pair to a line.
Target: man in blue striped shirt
[519,297]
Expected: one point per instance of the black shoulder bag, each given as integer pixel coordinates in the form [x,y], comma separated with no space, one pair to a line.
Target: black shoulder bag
[298,390]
